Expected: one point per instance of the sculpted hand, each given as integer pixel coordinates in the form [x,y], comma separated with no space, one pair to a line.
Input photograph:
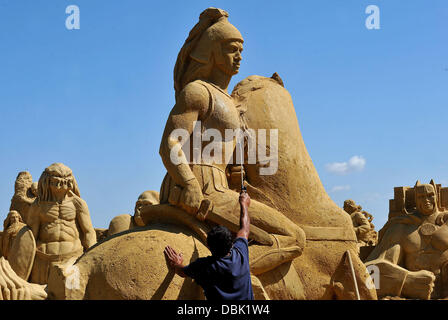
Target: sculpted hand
[77,201]
[234,175]
[419,284]
[191,197]
[72,194]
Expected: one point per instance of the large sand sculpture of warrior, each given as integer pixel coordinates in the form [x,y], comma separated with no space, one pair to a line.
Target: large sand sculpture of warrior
[300,238]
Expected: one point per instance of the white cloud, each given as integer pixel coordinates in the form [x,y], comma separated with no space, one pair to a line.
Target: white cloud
[355,163]
[340,188]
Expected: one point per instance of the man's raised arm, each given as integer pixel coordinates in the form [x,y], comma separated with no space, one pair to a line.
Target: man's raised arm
[244,216]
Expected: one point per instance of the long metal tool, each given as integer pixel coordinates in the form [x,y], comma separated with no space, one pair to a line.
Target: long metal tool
[353,275]
[243,188]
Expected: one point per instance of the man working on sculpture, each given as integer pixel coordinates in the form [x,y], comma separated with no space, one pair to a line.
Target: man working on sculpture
[225,275]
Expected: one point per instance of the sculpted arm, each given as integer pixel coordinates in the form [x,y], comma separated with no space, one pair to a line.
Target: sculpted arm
[88,235]
[192,103]
[362,222]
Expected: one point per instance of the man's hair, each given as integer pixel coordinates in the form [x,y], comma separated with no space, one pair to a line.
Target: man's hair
[219,241]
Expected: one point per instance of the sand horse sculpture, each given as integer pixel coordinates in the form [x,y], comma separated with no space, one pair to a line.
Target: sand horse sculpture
[302,245]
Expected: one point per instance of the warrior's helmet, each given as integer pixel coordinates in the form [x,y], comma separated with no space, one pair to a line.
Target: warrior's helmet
[204,40]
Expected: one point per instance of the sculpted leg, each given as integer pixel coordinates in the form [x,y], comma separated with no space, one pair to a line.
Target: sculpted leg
[264,217]
[263,259]
[288,239]
[39,274]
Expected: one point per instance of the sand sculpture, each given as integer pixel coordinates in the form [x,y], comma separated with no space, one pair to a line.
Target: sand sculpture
[302,244]
[412,246]
[296,191]
[362,222]
[126,222]
[60,221]
[12,287]
[11,226]
[57,232]
[25,192]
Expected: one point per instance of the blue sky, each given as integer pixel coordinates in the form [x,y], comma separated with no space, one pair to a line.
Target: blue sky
[97,98]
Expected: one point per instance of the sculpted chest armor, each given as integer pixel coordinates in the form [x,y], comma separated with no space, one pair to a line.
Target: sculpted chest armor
[427,247]
[222,113]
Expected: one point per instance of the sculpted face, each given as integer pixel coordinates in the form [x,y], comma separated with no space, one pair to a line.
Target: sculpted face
[60,185]
[34,189]
[143,203]
[229,63]
[147,198]
[425,199]
[15,218]
[349,206]
[55,183]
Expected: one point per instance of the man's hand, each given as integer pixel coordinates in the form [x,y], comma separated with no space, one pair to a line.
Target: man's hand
[244,200]
[175,259]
